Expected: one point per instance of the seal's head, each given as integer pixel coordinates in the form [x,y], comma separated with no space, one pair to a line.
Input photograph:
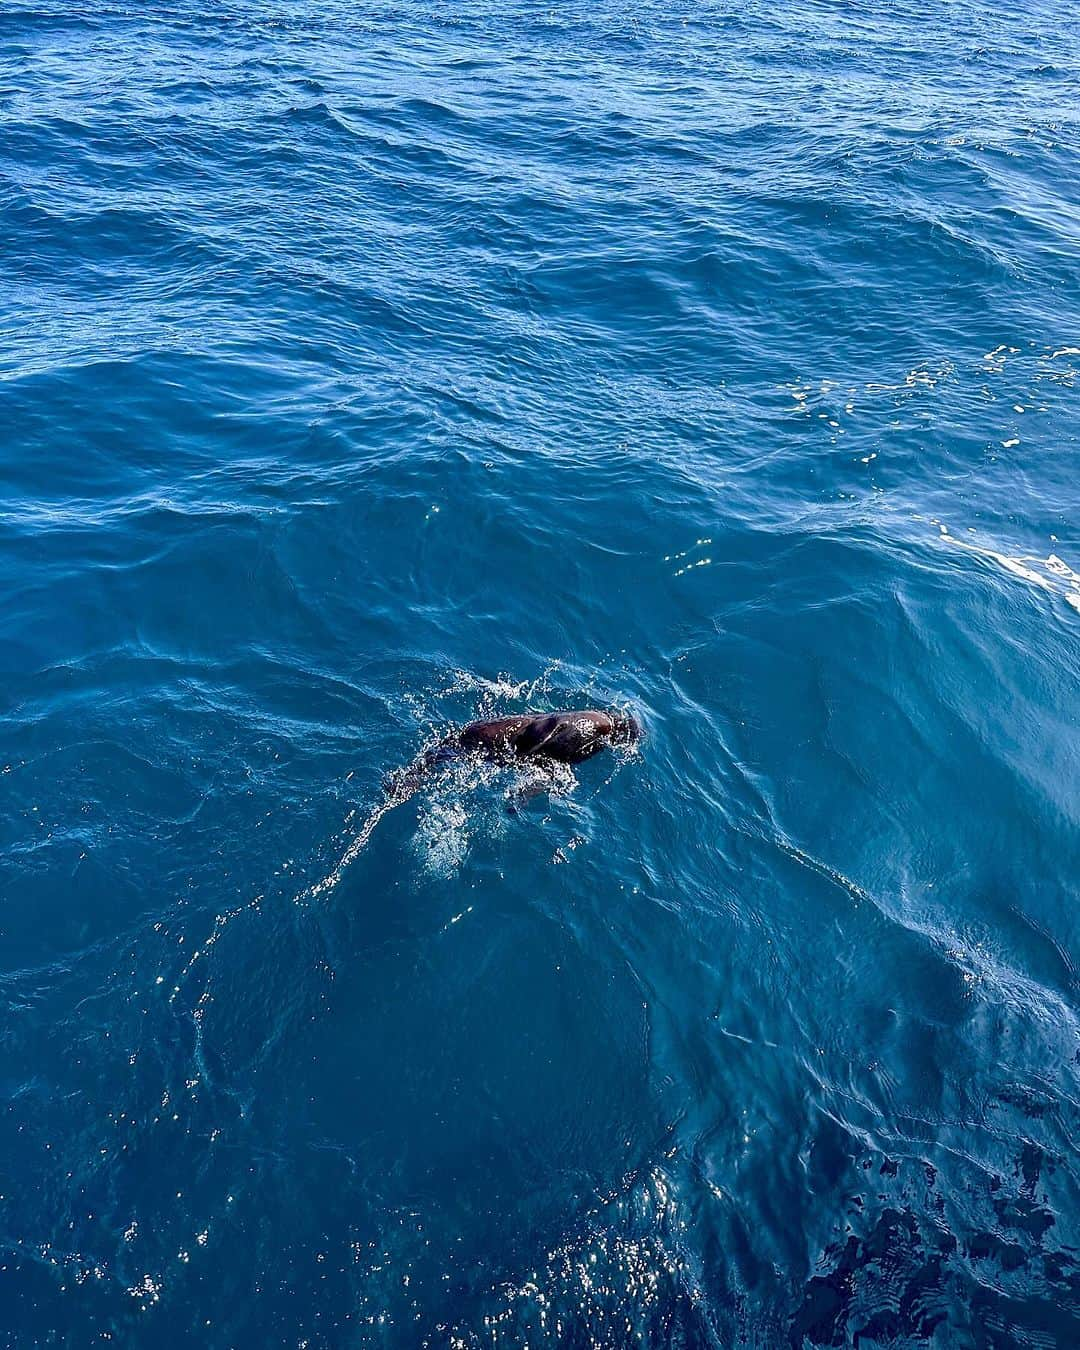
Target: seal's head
[625,729]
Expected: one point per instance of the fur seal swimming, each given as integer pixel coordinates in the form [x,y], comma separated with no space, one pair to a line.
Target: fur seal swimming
[539,738]
[567,737]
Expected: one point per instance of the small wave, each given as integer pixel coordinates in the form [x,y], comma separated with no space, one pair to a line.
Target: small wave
[1051,574]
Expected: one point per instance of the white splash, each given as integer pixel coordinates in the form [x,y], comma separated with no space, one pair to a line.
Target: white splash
[1050,574]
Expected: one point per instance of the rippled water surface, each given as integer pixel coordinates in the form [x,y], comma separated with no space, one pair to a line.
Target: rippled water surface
[365,369]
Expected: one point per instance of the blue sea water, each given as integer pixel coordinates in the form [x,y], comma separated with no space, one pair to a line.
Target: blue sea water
[365,369]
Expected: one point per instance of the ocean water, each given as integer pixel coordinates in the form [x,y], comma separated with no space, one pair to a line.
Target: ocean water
[365,369]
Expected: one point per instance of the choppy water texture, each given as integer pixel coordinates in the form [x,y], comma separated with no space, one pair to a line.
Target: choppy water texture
[365,369]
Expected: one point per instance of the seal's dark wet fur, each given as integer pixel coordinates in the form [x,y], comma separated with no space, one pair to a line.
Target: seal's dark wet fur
[567,737]
[561,737]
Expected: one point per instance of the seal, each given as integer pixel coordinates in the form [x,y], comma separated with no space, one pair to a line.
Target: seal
[543,739]
[565,737]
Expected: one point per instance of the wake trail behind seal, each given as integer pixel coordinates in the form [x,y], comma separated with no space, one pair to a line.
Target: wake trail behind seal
[356,845]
